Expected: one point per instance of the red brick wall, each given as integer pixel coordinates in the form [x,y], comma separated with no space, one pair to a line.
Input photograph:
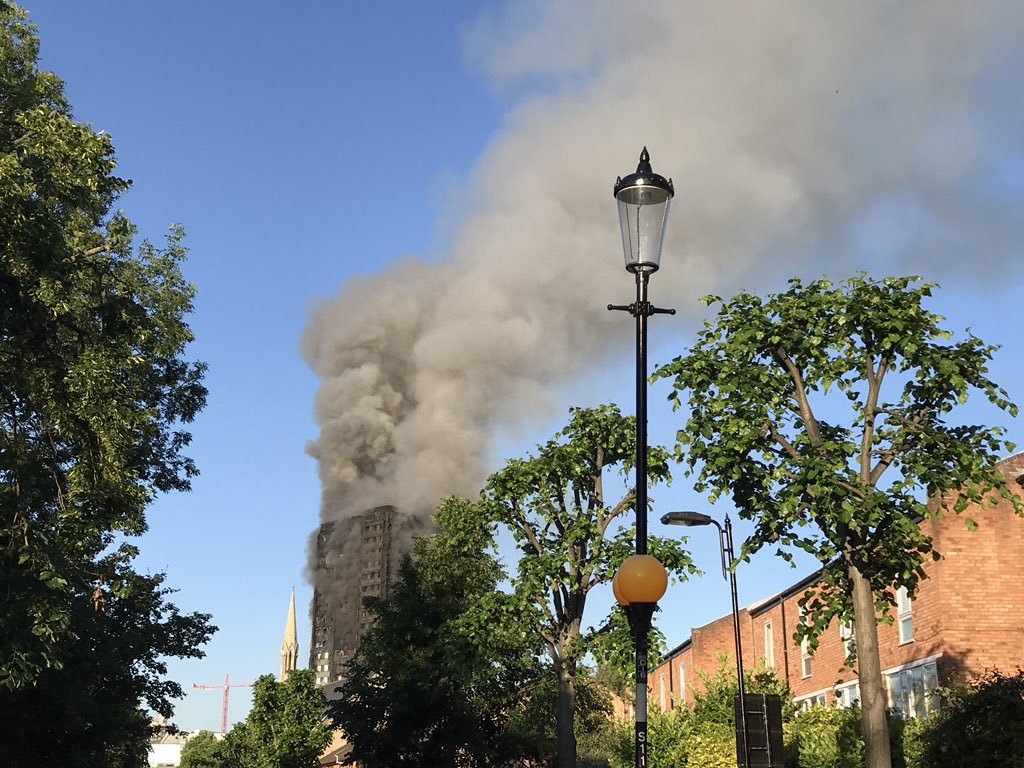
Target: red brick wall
[676,674]
[981,579]
[970,610]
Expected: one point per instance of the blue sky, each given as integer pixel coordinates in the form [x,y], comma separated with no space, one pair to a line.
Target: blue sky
[307,149]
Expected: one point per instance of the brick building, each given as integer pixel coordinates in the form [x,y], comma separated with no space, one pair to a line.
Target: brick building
[967,616]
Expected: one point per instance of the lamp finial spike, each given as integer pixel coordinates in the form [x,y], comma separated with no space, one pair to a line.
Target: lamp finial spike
[645,162]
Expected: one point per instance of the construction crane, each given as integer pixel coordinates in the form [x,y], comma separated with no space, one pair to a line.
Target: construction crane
[227,686]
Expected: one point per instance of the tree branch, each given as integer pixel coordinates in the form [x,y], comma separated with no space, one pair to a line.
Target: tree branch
[887,457]
[806,414]
[97,249]
[874,378]
[531,535]
[788,447]
[619,508]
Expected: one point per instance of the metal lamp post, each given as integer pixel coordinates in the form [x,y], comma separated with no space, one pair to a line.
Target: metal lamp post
[728,567]
[638,585]
[643,201]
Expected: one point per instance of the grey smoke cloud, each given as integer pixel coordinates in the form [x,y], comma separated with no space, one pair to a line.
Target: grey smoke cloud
[802,138]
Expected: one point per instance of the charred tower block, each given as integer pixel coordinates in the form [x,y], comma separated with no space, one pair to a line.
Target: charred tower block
[355,560]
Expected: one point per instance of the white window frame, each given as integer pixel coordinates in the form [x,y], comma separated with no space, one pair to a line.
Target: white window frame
[806,668]
[905,615]
[682,683]
[816,699]
[848,694]
[926,701]
[805,651]
[849,638]
[663,693]
[769,645]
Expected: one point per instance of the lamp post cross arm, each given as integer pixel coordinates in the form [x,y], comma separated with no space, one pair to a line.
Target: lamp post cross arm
[638,309]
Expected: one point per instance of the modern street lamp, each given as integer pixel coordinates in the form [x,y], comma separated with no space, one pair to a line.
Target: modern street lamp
[728,567]
[643,200]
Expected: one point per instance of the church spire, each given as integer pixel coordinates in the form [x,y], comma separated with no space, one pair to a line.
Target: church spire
[290,647]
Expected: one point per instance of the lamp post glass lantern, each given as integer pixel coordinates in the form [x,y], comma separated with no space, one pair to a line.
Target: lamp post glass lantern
[644,198]
[643,201]
[728,567]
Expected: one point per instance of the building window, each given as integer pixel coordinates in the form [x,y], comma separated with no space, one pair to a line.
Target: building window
[805,649]
[682,682]
[912,690]
[663,693]
[814,700]
[848,695]
[769,646]
[847,636]
[904,615]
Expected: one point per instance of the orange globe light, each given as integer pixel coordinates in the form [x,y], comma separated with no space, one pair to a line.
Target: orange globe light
[615,590]
[641,579]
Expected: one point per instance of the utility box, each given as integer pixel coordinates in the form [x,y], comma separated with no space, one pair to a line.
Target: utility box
[763,732]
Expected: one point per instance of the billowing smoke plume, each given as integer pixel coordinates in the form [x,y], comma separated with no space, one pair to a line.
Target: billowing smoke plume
[802,138]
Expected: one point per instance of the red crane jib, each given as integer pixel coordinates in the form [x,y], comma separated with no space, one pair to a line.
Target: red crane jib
[227,686]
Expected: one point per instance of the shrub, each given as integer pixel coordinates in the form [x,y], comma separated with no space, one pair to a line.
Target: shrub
[709,745]
[979,726]
[828,738]
[914,735]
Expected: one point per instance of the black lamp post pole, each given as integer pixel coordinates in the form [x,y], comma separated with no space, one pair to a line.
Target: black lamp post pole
[728,551]
[643,199]
[643,628]
[641,310]
[640,614]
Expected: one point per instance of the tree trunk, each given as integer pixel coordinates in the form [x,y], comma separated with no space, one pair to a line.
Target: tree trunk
[565,715]
[872,692]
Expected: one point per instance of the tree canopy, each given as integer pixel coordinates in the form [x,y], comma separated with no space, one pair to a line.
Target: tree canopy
[94,391]
[286,727]
[203,750]
[826,413]
[94,382]
[92,706]
[572,538]
[446,664]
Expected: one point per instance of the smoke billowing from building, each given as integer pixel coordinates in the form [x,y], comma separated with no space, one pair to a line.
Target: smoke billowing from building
[802,139]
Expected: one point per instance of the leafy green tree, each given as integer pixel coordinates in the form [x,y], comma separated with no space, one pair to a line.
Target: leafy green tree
[93,383]
[236,749]
[768,382]
[533,725]
[571,539]
[94,388]
[446,664]
[981,724]
[90,707]
[287,726]
[203,750]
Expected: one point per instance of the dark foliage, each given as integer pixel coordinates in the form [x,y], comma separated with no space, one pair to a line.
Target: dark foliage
[434,682]
[91,707]
[978,726]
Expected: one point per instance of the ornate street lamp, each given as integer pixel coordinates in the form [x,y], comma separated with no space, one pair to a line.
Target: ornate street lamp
[643,200]
[728,567]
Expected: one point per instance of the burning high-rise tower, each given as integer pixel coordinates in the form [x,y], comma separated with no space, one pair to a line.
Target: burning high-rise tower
[356,558]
